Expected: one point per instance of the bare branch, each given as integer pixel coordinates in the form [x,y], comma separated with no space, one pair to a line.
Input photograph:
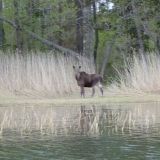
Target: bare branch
[42,40]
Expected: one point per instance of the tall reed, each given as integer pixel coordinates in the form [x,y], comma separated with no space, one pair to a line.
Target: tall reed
[45,74]
[141,74]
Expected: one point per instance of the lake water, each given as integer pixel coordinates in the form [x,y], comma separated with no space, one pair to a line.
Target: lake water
[107,132]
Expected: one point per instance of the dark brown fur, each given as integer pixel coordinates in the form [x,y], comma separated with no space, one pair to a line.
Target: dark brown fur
[88,80]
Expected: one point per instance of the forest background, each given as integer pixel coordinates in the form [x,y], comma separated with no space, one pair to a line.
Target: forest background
[106,31]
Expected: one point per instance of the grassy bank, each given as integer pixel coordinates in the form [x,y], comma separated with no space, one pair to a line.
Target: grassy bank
[76,100]
[49,79]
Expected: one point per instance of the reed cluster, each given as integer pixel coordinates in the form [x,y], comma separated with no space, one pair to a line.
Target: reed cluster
[44,74]
[140,74]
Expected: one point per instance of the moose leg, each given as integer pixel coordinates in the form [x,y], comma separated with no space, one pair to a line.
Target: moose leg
[82,92]
[93,91]
[100,87]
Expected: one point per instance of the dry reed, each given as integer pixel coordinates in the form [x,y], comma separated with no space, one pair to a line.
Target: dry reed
[41,74]
[141,74]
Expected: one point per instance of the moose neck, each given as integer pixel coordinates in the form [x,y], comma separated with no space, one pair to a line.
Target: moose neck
[77,75]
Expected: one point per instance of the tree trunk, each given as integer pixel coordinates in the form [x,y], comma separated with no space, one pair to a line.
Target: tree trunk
[158,43]
[60,42]
[96,34]
[138,27]
[2,34]
[79,26]
[19,39]
[43,24]
[88,45]
[108,51]
[152,35]
[29,10]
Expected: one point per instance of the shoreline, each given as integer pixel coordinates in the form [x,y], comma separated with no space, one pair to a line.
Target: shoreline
[72,100]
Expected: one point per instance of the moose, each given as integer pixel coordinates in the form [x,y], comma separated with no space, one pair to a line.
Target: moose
[87,80]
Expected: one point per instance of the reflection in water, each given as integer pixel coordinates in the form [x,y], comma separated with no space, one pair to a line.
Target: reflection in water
[87,120]
[88,123]
[87,132]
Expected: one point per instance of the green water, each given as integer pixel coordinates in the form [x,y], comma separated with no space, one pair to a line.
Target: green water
[109,132]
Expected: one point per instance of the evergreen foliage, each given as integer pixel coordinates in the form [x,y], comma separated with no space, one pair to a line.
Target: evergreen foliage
[104,30]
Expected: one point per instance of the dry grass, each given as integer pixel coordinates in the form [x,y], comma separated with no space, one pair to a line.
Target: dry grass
[51,75]
[41,74]
[141,75]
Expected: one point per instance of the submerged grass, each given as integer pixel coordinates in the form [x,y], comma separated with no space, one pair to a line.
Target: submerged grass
[90,119]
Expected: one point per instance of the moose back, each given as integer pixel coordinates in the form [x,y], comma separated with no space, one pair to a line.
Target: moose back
[87,80]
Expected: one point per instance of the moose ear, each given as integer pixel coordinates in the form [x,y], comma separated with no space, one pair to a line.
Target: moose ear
[73,67]
[79,67]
